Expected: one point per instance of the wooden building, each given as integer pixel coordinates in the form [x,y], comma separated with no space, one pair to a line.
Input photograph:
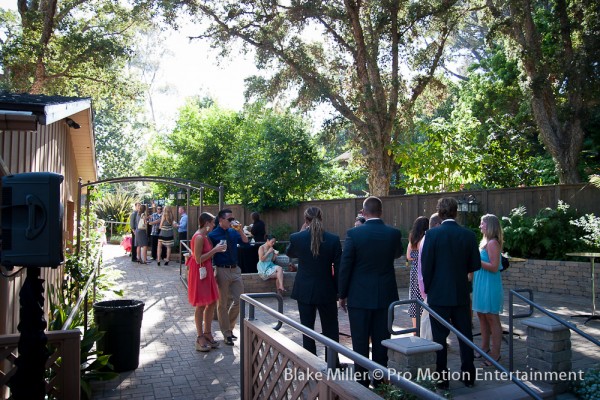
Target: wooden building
[44,134]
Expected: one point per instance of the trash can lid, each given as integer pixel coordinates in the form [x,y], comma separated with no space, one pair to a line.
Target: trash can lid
[120,304]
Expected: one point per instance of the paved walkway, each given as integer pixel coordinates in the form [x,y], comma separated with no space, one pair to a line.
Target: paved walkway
[170,368]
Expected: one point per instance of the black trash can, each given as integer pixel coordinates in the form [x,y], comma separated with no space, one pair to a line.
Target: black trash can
[121,320]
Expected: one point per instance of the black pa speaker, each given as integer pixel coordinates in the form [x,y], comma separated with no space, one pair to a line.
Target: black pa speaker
[32,220]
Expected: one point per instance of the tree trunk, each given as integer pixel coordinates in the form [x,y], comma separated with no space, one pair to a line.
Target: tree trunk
[562,135]
[379,165]
[563,140]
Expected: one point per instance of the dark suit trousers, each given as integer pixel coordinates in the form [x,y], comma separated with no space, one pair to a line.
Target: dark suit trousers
[133,247]
[365,324]
[461,320]
[329,322]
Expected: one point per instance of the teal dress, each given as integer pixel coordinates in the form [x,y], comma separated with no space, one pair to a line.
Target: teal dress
[488,294]
[266,268]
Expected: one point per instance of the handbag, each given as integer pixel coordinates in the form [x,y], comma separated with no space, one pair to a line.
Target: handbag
[142,223]
[504,261]
[425,326]
[202,272]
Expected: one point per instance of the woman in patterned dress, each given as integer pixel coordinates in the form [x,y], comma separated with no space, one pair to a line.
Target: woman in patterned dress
[417,232]
[165,237]
[203,293]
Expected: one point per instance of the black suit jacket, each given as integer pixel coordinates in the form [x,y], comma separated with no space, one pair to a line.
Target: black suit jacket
[315,282]
[450,252]
[367,277]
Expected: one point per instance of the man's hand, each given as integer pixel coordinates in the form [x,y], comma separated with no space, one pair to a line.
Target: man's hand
[343,305]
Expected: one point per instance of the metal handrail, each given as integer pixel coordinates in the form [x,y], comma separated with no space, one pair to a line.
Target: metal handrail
[458,334]
[532,304]
[333,347]
[83,297]
[182,277]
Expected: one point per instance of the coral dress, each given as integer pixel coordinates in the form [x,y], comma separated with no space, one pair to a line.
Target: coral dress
[488,294]
[205,291]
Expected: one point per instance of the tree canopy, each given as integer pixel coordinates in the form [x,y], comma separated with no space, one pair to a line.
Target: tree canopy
[557,46]
[265,159]
[370,60]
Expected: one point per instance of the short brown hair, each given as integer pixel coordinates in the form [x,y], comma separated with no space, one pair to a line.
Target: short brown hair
[447,208]
[372,206]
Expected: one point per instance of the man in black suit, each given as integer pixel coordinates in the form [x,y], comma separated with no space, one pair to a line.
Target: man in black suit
[368,282]
[450,253]
[315,286]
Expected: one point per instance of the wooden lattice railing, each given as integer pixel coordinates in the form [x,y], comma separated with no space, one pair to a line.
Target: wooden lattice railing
[277,368]
[62,366]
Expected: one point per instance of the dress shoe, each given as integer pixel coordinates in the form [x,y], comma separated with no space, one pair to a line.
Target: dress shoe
[228,341]
[442,384]
[233,337]
[468,382]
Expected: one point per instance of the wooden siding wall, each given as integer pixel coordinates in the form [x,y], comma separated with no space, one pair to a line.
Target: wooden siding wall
[47,150]
[401,211]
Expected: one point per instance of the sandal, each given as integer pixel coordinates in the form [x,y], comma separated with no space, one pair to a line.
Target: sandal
[486,363]
[202,347]
[478,354]
[211,341]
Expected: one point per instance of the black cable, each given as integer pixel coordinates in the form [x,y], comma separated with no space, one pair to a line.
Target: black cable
[10,275]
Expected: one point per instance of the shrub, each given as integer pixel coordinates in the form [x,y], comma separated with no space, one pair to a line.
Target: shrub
[115,207]
[281,232]
[589,387]
[390,392]
[548,236]
[591,226]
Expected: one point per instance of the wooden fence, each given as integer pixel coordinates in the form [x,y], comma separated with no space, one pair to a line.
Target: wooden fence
[277,368]
[62,367]
[401,211]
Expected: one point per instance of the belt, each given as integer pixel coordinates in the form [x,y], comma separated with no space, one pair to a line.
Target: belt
[231,266]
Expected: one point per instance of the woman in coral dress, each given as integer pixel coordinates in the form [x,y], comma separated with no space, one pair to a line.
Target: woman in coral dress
[203,293]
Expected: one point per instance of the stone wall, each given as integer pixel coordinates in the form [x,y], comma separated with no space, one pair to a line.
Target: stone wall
[557,277]
[254,283]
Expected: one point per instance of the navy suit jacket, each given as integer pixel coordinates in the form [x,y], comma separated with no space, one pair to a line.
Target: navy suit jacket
[316,279]
[367,277]
[450,252]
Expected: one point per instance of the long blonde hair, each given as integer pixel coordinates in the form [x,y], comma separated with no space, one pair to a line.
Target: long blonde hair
[314,217]
[493,230]
[167,215]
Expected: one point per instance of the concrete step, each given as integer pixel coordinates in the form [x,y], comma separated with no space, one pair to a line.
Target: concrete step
[507,391]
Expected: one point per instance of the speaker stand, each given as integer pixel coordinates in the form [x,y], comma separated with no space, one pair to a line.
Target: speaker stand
[28,382]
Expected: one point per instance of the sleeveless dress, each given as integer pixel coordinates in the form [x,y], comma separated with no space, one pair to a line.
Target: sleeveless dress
[166,234]
[266,268]
[488,294]
[205,291]
[413,288]
[141,233]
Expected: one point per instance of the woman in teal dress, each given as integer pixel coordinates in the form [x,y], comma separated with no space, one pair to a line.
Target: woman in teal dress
[488,295]
[267,269]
